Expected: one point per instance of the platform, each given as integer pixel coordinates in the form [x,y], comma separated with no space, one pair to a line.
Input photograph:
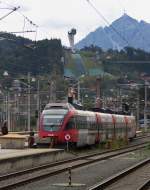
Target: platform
[13,141]
[12,160]
[20,141]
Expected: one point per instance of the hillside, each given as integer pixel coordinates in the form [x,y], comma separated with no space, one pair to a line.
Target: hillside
[82,63]
[128,64]
[19,55]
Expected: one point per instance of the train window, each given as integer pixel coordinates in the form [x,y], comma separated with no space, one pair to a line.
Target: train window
[70,124]
[81,122]
[55,112]
[52,122]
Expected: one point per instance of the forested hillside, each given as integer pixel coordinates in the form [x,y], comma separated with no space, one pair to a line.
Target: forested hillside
[19,55]
[131,61]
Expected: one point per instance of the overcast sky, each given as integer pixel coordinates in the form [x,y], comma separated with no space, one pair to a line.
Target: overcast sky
[56,17]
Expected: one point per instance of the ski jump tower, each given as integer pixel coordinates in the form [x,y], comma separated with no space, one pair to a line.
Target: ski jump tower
[71,35]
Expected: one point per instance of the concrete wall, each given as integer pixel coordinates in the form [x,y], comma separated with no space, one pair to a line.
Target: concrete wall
[13,141]
[21,162]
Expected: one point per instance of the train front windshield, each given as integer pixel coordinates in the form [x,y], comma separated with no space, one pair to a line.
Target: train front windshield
[52,119]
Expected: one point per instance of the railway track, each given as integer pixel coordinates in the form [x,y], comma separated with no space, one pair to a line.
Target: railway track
[145,186]
[16,179]
[124,177]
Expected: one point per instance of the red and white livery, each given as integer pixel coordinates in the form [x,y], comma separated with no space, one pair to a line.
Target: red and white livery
[62,122]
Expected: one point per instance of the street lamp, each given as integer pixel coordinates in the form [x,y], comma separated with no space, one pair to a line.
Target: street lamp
[7,101]
[29,103]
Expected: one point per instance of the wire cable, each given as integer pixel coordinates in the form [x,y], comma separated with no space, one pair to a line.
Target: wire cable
[107,22]
[14,9]
[24,31]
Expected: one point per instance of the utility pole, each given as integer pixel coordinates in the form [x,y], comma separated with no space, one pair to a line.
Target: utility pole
[38,102]
[53,91]
[29,114]
[138,109]
[145,107]
[78,90]
[8,110]
[6,107]
[98,92]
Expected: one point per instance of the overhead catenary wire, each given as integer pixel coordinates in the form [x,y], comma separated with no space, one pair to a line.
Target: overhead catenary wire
[14,9]
[24,27]
[29,20]
[33,24]
[108,23]
[6,8]
[26,19]
[25,31]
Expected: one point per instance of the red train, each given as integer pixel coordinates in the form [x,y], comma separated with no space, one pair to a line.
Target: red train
[62,122]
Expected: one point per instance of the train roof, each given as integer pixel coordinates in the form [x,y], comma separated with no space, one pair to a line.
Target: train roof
[69,106]
[59,105]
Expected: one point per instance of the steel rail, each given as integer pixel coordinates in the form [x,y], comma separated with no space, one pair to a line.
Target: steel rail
[107,182]
[84,161]
[145,186]
[22,172]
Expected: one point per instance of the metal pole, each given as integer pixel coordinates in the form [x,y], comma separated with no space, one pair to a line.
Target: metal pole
[29,127]
[67,146]
[6,107]
[138,109]
[145,107]
[6,104]
[78,90]
[53,91]
[38,103]
[98,92]
[8,111]
[70,179]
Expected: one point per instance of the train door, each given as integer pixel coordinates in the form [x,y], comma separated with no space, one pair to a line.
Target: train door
[70,130]
[120,126]
[82,128]
[98,128]
[108,124]
[92,129]
[131,127]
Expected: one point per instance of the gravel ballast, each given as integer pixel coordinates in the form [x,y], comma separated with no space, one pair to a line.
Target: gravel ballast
[89,175]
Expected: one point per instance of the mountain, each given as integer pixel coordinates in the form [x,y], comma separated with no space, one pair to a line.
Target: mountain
[123,32]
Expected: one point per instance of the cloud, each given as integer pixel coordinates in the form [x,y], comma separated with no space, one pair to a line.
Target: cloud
[57,17]
[55,24]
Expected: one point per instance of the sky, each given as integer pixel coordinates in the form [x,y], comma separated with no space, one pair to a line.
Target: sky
[56,17]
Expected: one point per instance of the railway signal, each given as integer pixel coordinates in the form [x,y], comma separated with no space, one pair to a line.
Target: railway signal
[67,138]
